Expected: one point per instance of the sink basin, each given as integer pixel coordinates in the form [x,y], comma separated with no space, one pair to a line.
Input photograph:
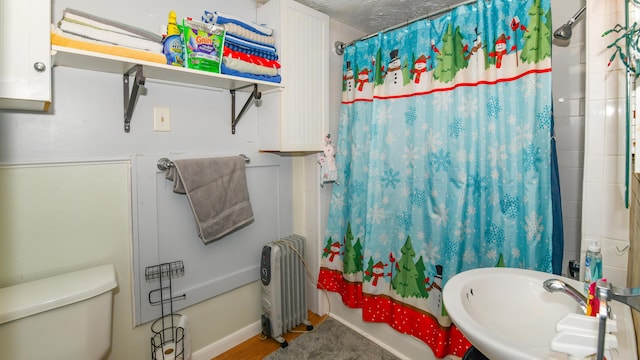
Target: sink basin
[506,313]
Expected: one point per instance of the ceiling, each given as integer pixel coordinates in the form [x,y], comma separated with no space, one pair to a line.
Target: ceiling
[371,16]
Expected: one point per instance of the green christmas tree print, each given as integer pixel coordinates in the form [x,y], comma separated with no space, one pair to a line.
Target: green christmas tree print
[352,253]
[411,75]
[422,280]
[406,73]
[451,56]
[369,273]
[500,262]
[537,45]
[327,248]
[378,78]
[405,282]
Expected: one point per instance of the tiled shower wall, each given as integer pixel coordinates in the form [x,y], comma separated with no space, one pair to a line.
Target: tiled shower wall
[568,110]
[604,212]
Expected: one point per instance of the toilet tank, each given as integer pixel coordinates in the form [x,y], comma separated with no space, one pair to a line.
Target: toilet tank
[67,316]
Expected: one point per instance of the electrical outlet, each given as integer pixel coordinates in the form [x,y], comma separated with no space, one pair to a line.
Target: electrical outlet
[161,119]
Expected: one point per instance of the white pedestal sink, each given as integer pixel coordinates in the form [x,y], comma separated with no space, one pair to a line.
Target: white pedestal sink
[506,313]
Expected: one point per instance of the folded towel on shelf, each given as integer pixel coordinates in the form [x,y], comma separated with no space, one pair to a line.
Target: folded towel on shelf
[248,47]
[224,69]
[109,25]
[247,67]
[217,192]
[218,17]
[248,35]
[251,58]
[110,37]
[60,38]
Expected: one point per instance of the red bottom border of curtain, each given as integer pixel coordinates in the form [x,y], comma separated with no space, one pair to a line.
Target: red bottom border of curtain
[404,318]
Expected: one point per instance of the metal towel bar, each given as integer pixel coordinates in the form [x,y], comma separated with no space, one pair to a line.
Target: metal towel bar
[164,164]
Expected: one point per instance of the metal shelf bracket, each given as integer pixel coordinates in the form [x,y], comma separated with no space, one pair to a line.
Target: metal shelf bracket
[255,94]
[130,100]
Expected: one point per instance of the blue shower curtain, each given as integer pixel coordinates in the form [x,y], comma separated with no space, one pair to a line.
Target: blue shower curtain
[445,160]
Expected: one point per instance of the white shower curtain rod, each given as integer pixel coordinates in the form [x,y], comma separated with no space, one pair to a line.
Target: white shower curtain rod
[339,46]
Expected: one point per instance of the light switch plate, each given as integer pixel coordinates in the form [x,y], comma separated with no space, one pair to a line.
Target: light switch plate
[161,119]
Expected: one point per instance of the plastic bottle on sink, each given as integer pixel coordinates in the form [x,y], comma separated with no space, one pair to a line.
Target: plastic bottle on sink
[592,264]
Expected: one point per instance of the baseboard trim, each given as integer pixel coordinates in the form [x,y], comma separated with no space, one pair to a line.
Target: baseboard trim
[216,348]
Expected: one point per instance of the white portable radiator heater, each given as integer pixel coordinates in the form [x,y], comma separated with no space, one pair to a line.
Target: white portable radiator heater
[284,301]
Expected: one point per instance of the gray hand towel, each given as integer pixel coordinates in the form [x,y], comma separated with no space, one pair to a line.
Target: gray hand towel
[217,192]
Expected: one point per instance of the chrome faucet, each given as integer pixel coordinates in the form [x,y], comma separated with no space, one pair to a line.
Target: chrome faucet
[557,285]
[605,292]
[627,296]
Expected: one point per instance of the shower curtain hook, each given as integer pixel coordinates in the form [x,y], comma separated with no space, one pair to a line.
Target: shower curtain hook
[338,47]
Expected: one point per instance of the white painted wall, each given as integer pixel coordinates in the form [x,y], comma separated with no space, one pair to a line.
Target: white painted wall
[65,202]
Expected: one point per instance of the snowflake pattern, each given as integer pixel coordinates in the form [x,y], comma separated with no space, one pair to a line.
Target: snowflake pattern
[441,215]
[378,214]
[405,221]
[411,154]
[521,135]
[390,178]
[497,154]
[469,256]
[451,248]
[346,171]
[373,130]
[470,107]
[442,101]
[493,107]
[410,116]
[478,184]
[544,118]
[530,86]
[418,197]
[494,235]
[531,158]
[358,188]
[456,128]
[510,206]
[440,161]
[533,227]
[438,167]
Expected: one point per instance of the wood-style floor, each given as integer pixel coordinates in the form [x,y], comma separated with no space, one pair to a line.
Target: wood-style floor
[258,347]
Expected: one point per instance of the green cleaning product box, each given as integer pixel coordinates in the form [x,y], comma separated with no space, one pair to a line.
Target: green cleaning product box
[203,45]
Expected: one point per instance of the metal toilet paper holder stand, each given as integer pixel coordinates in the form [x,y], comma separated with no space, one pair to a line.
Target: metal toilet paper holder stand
[167,342]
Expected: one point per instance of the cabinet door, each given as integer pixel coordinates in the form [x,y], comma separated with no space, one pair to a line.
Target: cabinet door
[25,54]
[296,118]
[305,70]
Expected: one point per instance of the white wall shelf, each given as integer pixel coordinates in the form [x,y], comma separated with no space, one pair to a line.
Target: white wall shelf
[87,60]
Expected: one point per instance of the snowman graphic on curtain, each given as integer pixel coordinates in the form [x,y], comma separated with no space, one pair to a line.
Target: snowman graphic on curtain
[394,77]
[332,260]
[350,83]
[376,282]
[500,50]
[434,301]
[419,73]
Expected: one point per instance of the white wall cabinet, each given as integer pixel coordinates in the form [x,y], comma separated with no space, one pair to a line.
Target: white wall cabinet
[25,60]
[296,117]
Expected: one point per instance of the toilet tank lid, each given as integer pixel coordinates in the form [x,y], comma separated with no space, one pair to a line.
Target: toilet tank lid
[37,296]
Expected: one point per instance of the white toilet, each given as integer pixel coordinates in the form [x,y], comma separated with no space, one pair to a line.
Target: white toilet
[61,317]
